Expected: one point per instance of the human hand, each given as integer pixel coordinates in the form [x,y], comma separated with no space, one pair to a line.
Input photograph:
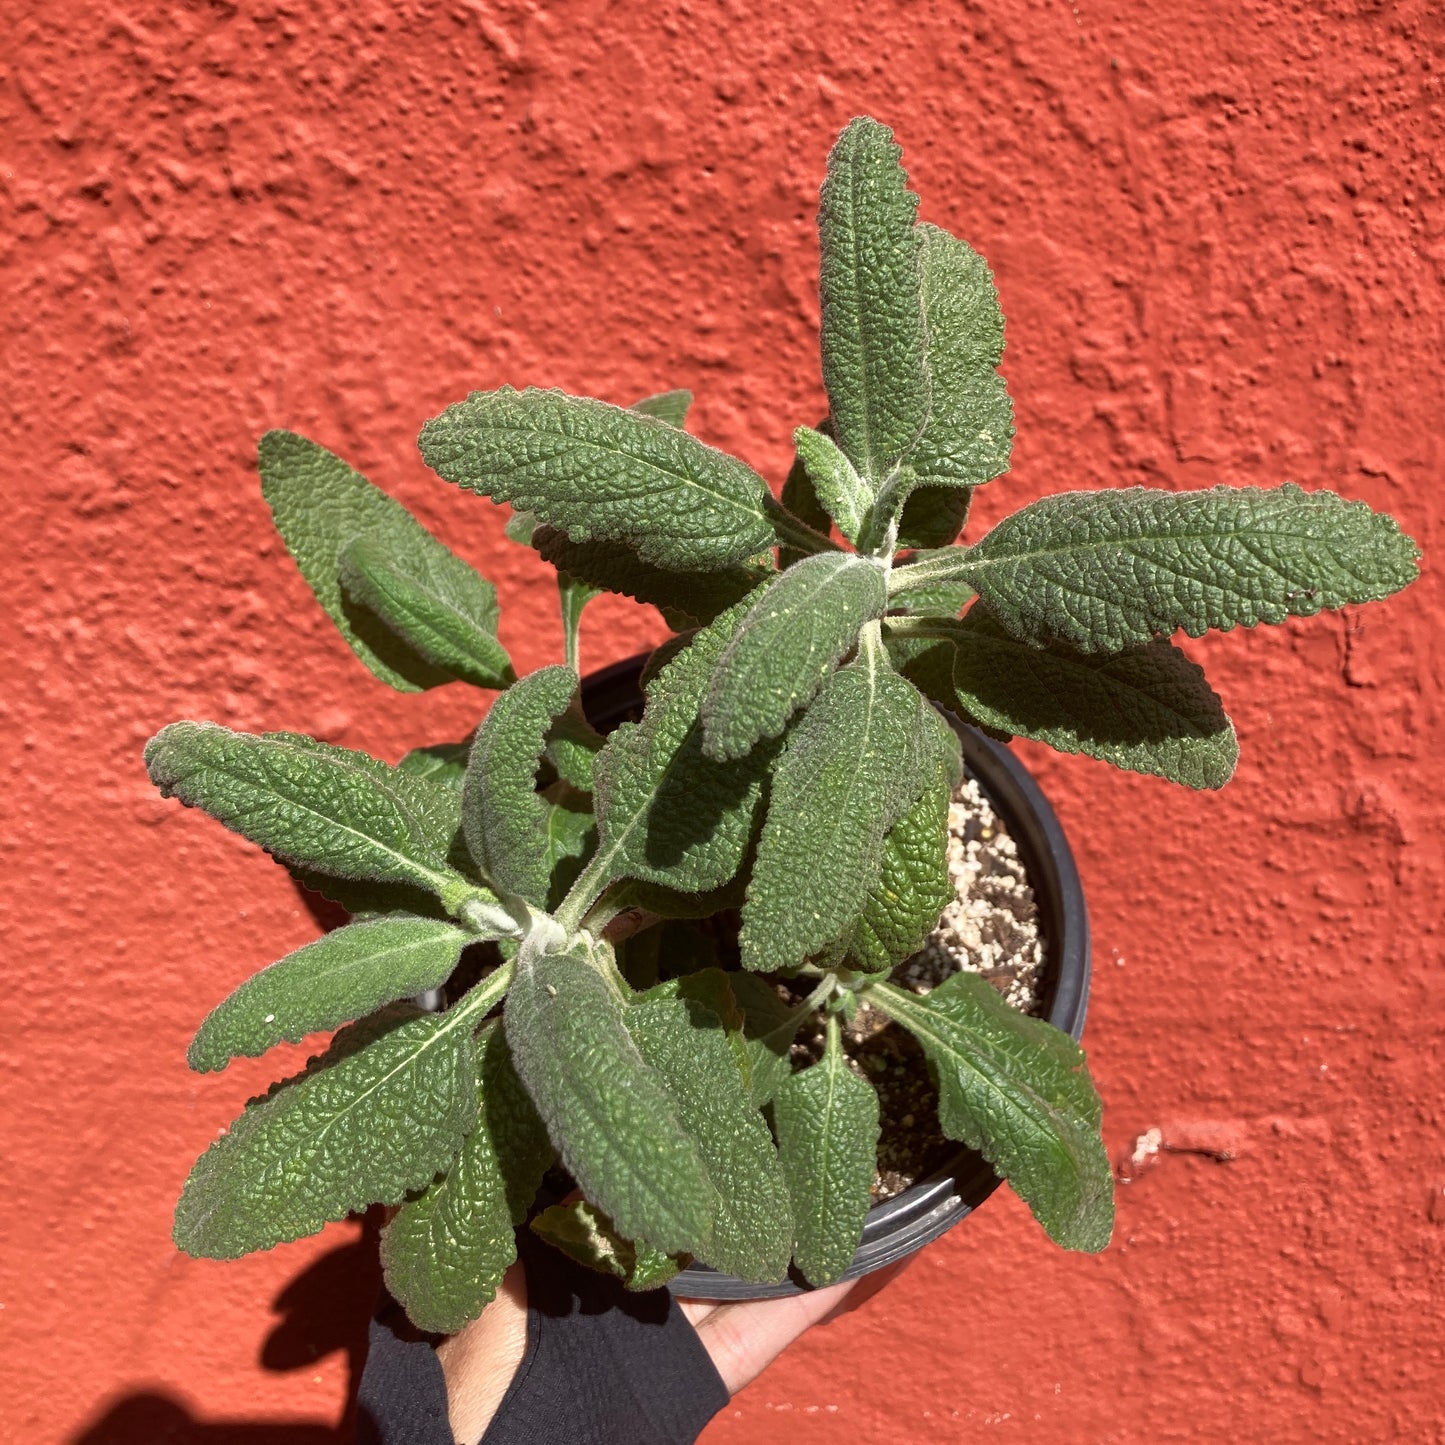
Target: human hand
[741,1339]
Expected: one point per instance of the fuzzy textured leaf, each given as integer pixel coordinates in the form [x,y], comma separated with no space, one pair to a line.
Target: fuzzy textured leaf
[607,473]
[913,886]
[444,763]
[572,747]
[933,516]
[446,1249]
[872,309]
[610,1115]
[842,492]
[615,567]
[1102,571]
[584,1233]
[343,976]
[769,1027]
[827,1123]
[312,805]
[669,406]
[800,499]
[969,432]
[666,813]
[853,765]
[1147,709]
[378,1115]
[321,506]
[687,1046]
[783,650]
[502,815]
[442,609]
[1017,1090]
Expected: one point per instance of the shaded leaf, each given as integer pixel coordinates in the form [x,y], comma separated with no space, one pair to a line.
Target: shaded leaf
[827,1123]
[913,887]
[853,765]
[1016,1089]
[666,813]
[610,1115]
[446,1249]
[502,815]
[615,567]
[320,506]
[1147,709]
[440,607]
[343,976]
[784,648]
[688,1047]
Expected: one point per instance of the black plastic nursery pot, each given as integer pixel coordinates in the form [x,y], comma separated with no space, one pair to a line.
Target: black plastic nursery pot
[918,1215]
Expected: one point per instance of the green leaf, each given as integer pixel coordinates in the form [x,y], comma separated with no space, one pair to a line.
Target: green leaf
[970,428]
[605,473]
[1016,1089]
[913,886]
[940,599]
[688,1047]
[844,494]
[569,835]
[1147,709]
[666,813]
[827,1123]
[1102,571]
[572,747]
[444,763]
[854,764]
[769,1027]
[800,499]
[502,815]
[378,1115]
[438,605]
[872,316]
[343,976]
[584,1233]
[313,805]
[609,1113]
[615,567]
[320,506]
[933,516]
[446,1249]
[363,899]
[708,986]
[573,594]
[786,646]
[669,406]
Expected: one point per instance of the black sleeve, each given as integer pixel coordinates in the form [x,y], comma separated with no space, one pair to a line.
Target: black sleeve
[602,1367]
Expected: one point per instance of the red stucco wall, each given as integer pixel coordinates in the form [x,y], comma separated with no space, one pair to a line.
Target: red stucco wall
[1219,236]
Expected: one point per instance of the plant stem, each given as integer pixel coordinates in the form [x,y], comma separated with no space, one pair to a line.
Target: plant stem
[943,564]
[796,533]
[584,892]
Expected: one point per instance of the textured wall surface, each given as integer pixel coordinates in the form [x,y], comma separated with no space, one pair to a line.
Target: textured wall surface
[1219,235]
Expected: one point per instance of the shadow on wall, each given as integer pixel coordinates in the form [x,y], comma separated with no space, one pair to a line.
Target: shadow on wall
[324,1309]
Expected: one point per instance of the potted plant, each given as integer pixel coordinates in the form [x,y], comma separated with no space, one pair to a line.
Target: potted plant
[790,762]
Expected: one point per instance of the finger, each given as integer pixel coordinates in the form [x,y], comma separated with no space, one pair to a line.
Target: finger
[743,1339]
[864,1289]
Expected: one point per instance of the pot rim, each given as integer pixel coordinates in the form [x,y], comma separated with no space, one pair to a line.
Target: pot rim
[914,1218]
